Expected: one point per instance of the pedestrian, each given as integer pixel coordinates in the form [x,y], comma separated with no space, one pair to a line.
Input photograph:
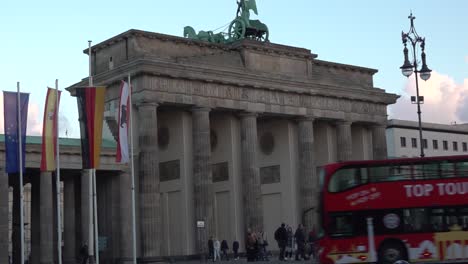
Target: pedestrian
[224,250]
[281,237]
[300,241]
[217,250]
[84,254]
[262,243]
[251,245]
[289,244]
[311,239]
[210,248]
[235,249]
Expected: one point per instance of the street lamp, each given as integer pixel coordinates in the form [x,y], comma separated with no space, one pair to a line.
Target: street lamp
[409,67]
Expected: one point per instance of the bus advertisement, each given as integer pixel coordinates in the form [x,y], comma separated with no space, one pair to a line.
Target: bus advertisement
[413,209]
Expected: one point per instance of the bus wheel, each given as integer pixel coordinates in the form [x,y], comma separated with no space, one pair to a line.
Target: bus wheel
[391,252]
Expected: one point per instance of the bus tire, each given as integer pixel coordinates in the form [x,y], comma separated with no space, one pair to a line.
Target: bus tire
[391,251]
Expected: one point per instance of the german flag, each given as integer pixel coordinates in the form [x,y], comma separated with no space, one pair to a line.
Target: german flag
[91,112]
[49,131]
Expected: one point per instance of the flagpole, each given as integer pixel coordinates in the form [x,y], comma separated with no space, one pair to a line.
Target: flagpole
[96,237]
[57,176]
[20,147]
[132,170]
[90,189]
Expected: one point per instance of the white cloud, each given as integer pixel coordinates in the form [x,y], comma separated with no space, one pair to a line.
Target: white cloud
[445,101]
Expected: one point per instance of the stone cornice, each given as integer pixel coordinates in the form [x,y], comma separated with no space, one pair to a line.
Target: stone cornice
[236,77]
[348,67]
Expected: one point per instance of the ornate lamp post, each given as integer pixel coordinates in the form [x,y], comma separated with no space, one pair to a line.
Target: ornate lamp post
[409,67]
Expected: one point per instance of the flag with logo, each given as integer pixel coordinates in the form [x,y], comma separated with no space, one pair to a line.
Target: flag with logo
[91,113]
[49,131]
[12,133]
[124,110]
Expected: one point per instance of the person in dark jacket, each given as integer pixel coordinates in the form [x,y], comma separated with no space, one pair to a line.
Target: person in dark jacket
[251,245]
[235,249]
[281,237]
[300,241]
[84,254]
[210,248]
[224,250]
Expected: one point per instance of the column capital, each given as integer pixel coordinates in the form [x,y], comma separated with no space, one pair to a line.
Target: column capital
[306,118]
[141,104]
[343,122]
[248,114]
[200,109]
[144,97]
[378,125]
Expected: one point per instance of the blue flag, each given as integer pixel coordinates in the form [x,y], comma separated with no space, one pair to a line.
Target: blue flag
[10,112]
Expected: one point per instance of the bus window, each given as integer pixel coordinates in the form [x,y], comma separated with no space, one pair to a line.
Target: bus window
[437,220]
[341,225]
[398,173]
[415,220]
[461,169]
[447,170]
[464,218]
[390,173]
[431,171]
[347,178]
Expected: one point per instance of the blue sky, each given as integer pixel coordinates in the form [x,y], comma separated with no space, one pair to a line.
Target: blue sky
[43,41]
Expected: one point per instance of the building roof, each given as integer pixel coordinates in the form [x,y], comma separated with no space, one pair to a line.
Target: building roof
[69,142]
[406,124]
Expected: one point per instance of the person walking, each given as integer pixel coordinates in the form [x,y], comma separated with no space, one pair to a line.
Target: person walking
[300,241]
[262,243]
[235,249]
[281,238]
[210,248]
[217,249]
[312,247]
[84,254]
[251,245]
[224,250]
[289,244]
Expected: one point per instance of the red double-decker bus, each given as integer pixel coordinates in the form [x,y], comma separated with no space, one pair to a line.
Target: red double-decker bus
[412,209]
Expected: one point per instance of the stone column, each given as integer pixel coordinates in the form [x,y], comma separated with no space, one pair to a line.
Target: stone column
[126,235]
[344,140]
[69,245]
[379,141]
[251,186]
[46,219]
[150,215]
[35,219]
[202,177]
[4,236]
[307,176]
[85,207]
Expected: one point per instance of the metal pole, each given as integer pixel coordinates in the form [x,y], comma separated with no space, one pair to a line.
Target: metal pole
[132,170]
[415,64]
[90,182]
[96,234]
[57,177]
[20,152]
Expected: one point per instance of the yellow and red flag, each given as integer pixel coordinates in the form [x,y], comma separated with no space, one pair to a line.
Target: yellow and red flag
[91,113]
[49,131]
